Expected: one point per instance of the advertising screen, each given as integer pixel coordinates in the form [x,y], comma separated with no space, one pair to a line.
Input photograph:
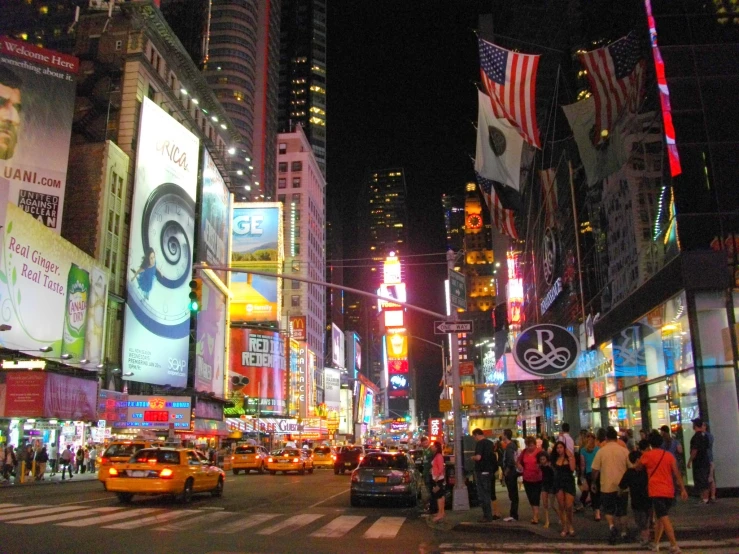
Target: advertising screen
[331,387]
[54,296]
[338,358]
[34,144]
[368,407]
[159,412]
[256,243]
[353,353]
[299,378]
[210,350]
[214,217]
[157,321]
[257,367]
[298,327]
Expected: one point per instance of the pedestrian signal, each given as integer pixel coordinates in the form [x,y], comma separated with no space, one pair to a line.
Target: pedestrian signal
[196,288]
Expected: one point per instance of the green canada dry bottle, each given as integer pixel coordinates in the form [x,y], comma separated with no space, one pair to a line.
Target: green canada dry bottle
[75,314]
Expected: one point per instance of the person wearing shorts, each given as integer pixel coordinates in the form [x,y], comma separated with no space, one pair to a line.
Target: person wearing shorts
[609,466]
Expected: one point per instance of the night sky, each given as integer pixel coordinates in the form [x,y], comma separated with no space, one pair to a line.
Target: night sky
[401,93]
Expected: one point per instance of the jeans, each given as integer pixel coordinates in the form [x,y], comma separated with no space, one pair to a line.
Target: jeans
[484,484]
[66,467]
[511,483]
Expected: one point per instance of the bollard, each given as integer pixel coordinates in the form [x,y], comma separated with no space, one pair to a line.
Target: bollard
[33,470]
[23,473]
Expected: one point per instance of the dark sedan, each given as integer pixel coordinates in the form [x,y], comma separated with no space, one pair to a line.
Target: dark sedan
[386,475]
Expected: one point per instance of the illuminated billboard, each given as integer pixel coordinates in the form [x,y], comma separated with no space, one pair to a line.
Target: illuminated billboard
[257,244]
[391,292]
[353,354]
[515,300]
[158,412]
[397,346]
[210,349]
[393,318]
[257,368]
[54,296]
[299,387]
[331,388]
[297,325]
[391,270]
[398,386]
[214,217]
[157,317]
[338,357]
[34,140]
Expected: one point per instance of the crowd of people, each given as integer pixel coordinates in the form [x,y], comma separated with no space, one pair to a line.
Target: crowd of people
[611,471]
[35,460]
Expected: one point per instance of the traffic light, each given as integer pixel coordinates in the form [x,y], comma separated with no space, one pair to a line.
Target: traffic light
[196,289]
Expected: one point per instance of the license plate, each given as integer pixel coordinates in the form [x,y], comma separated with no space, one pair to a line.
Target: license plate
[138,474]
[283,461]
[347,463]
[380,479]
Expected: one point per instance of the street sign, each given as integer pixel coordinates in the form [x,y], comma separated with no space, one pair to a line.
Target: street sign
[457,290]
[445,327]
[445,405]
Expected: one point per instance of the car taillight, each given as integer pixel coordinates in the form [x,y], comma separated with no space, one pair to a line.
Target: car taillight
[407,477]
[112,472]
[296,460]
[269,460]
[233,457]
[355,477]
[104,461]
[166,473]
[361,458]
[152,461]
[333,458]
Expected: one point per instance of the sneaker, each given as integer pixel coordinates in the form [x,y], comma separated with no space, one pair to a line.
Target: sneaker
[654,547]
[613,536]
[509,519]
[675,550]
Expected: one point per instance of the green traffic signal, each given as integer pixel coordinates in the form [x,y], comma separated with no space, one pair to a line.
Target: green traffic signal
[194,304]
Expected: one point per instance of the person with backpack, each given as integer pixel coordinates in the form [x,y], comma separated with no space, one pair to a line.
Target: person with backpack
[42,458]
[641,506]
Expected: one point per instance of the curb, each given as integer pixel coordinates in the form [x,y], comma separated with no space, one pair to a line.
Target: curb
[45,482]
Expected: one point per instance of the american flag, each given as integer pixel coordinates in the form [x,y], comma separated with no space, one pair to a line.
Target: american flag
[510,81]
[549,193]
[616,75]
[502,218]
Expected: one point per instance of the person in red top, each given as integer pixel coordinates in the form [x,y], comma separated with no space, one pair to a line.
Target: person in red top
[532,476]
[437,476]
[661,468]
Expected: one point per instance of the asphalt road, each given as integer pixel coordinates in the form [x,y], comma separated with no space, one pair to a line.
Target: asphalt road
[257,513]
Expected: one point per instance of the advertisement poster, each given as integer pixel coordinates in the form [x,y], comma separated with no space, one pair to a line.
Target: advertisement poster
[37,92]
[157,321]
[70,398]
[331,387]
[257,244]
[52,295]
[299,378]
[210,349]
[216,208]
[257,366]
[24,394]
[297,325]
[338,358]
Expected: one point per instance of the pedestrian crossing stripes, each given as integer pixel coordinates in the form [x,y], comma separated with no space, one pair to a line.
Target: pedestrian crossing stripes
[163,520]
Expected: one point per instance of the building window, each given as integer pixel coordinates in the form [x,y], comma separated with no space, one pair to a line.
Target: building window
[296,285]
[282,167]
[297,166]
[281,183]
[283,148]
[295,301]
[296,197]
[281,198]
[119,45]
[296,182]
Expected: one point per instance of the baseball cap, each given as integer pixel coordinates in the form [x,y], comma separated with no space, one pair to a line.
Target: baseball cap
[698,422]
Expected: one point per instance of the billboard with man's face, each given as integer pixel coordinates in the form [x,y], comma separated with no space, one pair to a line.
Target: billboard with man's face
[157,324]
[37,91]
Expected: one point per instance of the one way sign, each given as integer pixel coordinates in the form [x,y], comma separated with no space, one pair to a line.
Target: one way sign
[445,327]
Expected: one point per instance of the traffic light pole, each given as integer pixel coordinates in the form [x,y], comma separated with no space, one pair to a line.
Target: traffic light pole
[460,497]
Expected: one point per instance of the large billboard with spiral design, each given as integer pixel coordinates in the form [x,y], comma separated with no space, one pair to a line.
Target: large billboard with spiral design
[157,321]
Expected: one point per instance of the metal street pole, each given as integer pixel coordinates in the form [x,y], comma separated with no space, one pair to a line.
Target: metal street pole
[460,497]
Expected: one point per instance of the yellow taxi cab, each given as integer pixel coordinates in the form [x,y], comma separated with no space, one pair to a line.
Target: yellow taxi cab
[323,456]
[290,459]
[248,457]
[164,470]
[119,452]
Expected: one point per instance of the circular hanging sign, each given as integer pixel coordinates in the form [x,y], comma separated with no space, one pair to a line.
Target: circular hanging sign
[546,350]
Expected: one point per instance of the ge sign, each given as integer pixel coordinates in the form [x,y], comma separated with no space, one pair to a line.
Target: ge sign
[546,350]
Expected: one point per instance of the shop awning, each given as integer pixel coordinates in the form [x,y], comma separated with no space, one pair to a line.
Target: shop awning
[493,424]
[211,428]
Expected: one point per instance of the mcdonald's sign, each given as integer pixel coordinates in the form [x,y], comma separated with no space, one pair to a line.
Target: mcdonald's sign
[297,327]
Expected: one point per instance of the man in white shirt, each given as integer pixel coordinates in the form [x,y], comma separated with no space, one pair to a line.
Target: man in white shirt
[564,436]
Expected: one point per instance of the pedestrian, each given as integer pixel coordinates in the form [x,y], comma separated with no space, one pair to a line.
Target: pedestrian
[641,506]
[427,459]
[630,442]
[711,465]
[564,436]
[54,458]
[661,468]
[42,458]
[486,467]
[30,456]
[528,466]
[92,459]
[79,459]
[563,463]
[547,485]
[643,433]
[510,472]
[9,462]
[699,461]
[670,443]
[545,441]
[587,455]
[438,492]
[609,466]
[67,461]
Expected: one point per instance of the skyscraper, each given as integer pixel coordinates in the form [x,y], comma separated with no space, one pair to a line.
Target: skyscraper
[302,80]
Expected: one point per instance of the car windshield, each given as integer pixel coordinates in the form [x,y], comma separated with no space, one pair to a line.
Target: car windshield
[290,452]
[386,462]
[322,450]
[245,449]
[122,450]
[149,456]
[351,449]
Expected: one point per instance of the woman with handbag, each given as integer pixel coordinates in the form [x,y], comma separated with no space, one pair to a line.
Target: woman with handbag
[437,477]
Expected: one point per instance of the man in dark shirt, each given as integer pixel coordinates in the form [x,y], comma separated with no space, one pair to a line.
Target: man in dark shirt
[428,455]
[510,473]
[637,482]
[699,460]
[486,466]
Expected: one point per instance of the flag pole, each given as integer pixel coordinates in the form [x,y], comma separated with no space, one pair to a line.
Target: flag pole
[577,238]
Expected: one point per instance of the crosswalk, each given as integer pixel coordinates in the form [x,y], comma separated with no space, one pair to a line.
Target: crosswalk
[163,520]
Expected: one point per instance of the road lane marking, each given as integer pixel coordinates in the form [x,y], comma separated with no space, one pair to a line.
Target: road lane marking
[329,498]
[5,506]
[32,513]
[20,508]
[240,525]
[65,515]
[204,518]
[291,524]
[156,518]
[338,527]
[385,528]
[86,501]
[110,517]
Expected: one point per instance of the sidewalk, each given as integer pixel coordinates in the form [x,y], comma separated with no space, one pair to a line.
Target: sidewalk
[51,479]
[692,521]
